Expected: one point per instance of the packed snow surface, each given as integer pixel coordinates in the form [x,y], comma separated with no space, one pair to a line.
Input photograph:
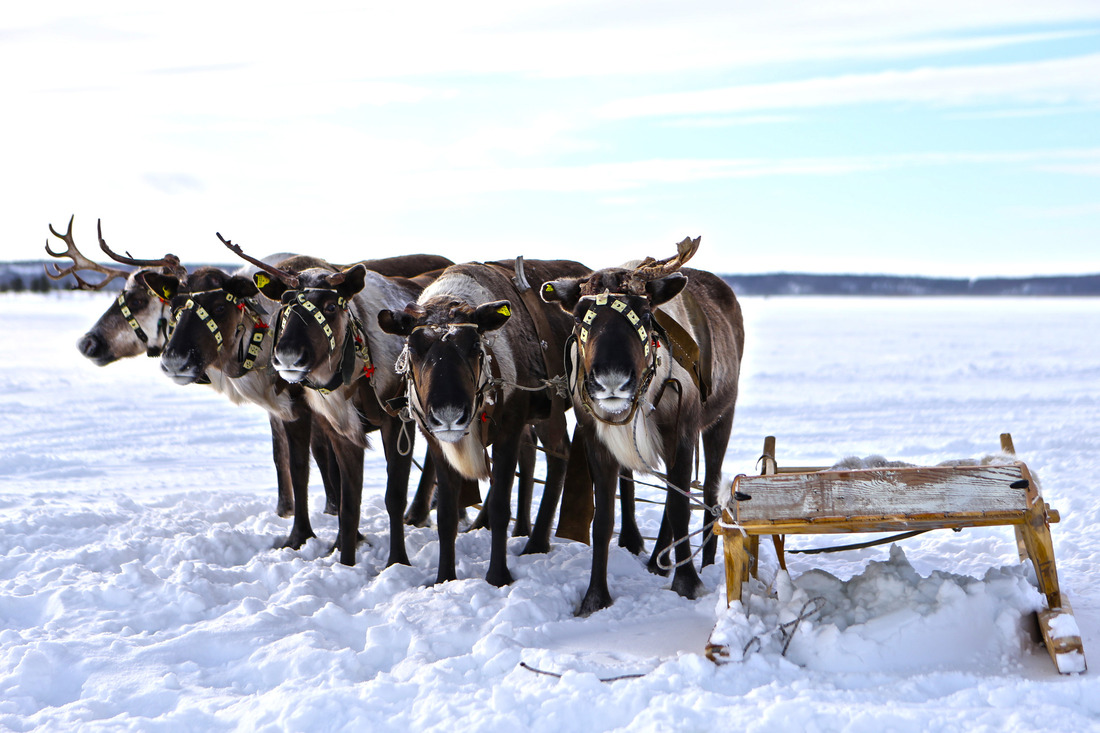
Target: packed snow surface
[139,587]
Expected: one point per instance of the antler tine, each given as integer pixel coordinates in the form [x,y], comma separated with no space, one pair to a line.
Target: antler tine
[80,262]
[652,269]
[169,261]
[288,279]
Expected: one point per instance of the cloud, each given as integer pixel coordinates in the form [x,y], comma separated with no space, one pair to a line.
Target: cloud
[1073,80]
[174,183]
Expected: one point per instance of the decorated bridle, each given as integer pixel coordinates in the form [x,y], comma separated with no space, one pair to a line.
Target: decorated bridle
[164,331]
[355,339]
[617,303]
[487,380]
[252,312]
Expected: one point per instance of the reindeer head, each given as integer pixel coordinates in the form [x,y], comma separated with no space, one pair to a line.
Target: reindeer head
[316,328]
[447,365]
[211,317]
[317,336]
[614,329]
[137,320]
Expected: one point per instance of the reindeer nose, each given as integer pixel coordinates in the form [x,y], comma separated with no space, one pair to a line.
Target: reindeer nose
[611,383]
[91,346]
[448,418]
[296,359]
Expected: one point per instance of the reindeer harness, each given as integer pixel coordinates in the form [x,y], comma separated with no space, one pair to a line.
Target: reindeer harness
[485,393]
[355,339]
[250,308]
[163,330]
[682,348]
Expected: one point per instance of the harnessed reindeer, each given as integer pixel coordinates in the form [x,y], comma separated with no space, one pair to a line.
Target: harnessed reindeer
[643,394]
[222,332]
[325,342]
[123,329]
[140,309]
[477,362]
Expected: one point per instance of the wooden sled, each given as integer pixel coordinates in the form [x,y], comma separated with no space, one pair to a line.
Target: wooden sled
[784,501]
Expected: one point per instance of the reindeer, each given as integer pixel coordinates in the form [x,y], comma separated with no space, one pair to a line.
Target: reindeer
[139,310]
[326,342]
[123,329]
[222,334]
[655,358]
[477,361]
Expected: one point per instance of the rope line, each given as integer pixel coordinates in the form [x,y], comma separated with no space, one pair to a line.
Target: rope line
[555,675]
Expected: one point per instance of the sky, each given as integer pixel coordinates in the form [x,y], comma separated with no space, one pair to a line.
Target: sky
[947,138]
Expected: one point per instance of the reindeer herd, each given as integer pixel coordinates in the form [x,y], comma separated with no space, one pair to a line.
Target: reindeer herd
[482,359]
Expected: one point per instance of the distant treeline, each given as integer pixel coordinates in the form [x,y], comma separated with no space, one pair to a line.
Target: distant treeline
[784,283]
[30,276]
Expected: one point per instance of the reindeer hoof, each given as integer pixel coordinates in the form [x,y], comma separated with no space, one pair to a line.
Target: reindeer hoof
[536,547]
[294,541]
[689,586]
[332,509]
[285,509]
[499,579]
[656,569]
[633,545]
[417,518]
[594,601]
[398,560]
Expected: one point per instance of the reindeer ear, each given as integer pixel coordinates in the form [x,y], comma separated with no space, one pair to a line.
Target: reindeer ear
[351,280]
[241,287]
[665,289]
[398,323]
[164,286]
[272,288]
[491,316]
[564,292]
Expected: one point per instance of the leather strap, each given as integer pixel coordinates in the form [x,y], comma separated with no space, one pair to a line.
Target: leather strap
[695,359]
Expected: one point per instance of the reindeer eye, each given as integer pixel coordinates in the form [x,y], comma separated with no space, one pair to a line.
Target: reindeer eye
[218,309]
[330,308]
[137,302]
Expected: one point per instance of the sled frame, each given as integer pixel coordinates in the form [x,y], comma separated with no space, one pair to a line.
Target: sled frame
[802,500]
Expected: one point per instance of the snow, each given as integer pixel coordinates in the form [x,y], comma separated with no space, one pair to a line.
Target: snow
[139,589]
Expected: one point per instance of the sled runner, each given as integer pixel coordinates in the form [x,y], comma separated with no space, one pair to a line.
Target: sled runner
[910,499]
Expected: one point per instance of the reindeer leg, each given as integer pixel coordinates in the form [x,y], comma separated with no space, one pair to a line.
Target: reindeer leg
[350,459]
[664,538]
[526,487]
[630,537]
[499,503]
[539,541]
[685,580]
[448,483]
[397,487]
[297,434]
[325,458]
[715,441]
[419,511]
[604,470]
[280,454]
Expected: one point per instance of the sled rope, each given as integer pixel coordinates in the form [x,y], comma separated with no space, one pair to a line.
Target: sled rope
[529,668]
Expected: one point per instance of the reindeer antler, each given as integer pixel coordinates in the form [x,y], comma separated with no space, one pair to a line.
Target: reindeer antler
[287,278]
[80,262]
[651,269]
[169,261]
